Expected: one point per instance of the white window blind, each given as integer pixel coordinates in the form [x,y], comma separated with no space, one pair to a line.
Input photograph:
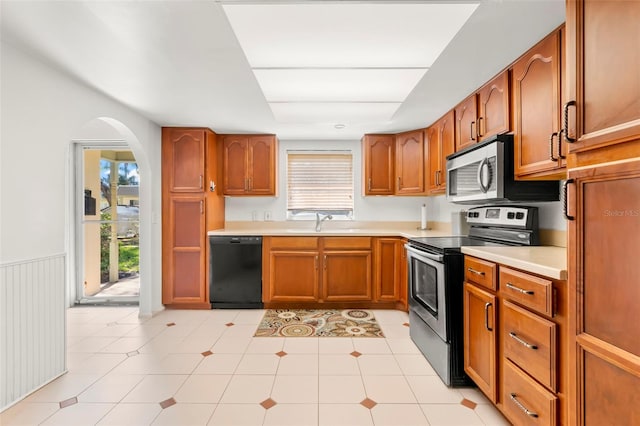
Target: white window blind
[320,181]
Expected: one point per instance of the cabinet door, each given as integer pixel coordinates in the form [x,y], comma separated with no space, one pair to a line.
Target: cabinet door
[235,165]
[604,64]
[466,130]
[604,291]
[379,164]
[184,251]
[293,276]
[480,338]
[183,155]
[432,140]
[410,163]
[446,127]
[346,275]
[261,174]
[536,79]
[388,268]
[493,103]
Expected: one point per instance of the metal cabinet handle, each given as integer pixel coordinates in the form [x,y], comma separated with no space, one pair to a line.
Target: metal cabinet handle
[250,186]
[473,271]
[564,195]
[471,130]
[486,316]
[520,290]
[325,262]
[201,206]
[529,413]
[553,135]
[369,184]
[568,138]
[479,127]
[315,262]
[518,339]
[201,180]
[399,182]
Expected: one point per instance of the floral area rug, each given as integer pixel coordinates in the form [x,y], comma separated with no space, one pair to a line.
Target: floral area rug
[318,323]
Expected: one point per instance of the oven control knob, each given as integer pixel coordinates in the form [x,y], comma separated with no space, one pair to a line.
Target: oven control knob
[511,215]
[519,215]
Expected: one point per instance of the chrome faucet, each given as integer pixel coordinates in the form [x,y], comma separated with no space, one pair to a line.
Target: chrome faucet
[319,221]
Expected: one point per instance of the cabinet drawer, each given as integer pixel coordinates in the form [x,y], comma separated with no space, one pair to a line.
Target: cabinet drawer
[347,242]
[480,272]
[525,402]
[533,292]
[294,242]
[530,342]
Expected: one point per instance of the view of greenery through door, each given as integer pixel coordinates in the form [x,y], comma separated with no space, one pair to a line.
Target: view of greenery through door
[110,225]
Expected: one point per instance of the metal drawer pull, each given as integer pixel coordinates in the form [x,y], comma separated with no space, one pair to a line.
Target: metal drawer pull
[473,271]
[486,316]
[518,289]
[515,337]
[514,398]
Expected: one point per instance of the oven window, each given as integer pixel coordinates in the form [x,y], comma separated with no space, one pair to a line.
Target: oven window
[425,285]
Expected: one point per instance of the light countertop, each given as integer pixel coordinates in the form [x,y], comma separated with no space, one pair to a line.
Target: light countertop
[549,261]
[340,229]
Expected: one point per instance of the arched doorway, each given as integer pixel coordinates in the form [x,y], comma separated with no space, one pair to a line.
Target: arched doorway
[110,142]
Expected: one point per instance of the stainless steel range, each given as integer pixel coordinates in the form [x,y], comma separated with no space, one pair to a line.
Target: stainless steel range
[436,271]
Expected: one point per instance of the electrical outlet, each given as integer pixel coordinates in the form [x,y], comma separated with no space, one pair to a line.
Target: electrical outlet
[267,215]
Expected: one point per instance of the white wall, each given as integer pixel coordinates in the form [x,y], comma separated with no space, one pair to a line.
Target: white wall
[43,109]
[379,208]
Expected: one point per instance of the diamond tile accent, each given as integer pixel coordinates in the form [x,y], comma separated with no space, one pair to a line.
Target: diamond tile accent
[171,324]
[67,402]
[268,403]
[206,353]
[133,353]
[167,403]
[406,324]
[281,354]
[355,354]
[368,403]
[469,404]
[229,324]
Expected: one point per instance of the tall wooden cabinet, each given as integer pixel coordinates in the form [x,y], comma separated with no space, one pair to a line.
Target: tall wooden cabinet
[410,160]
[390,271]
[440,142]
[378,153]
[190,208]
[540,150]
[249,164]
[603,197]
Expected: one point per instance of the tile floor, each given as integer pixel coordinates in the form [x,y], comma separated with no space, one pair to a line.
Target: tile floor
[205,368]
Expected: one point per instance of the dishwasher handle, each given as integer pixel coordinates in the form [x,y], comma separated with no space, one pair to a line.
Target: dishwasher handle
[243,239]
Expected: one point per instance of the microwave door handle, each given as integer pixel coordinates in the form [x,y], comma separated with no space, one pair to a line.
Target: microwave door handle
[484,163]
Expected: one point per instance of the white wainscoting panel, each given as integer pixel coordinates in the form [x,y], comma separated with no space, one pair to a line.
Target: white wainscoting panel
[32,325]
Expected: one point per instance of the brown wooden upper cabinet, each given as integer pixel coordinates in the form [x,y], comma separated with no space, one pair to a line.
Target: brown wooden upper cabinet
[249,165]
[440,144]
[183,159]
[410,163]
[379,164]
[539,148]
[483,114]
[603,65]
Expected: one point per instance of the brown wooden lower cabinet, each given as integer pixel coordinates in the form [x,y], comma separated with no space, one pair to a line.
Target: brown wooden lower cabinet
[480,339]
[333,272]
[516,341]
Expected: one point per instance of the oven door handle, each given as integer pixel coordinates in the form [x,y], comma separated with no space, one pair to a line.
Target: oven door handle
[423,254]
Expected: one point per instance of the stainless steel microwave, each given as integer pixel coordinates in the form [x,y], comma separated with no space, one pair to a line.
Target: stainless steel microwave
[483,173]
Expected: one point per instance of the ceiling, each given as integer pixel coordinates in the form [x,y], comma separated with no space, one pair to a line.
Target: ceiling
[179,63]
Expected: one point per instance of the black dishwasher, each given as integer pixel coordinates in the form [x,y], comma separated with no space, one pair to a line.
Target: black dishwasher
[235,272]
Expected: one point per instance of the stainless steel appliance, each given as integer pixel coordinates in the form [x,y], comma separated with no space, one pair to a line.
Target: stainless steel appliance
[436,272]
[235,272]
[483,173]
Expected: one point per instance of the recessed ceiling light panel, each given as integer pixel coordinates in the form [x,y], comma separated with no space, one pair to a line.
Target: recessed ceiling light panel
[331,112]
[338,85]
